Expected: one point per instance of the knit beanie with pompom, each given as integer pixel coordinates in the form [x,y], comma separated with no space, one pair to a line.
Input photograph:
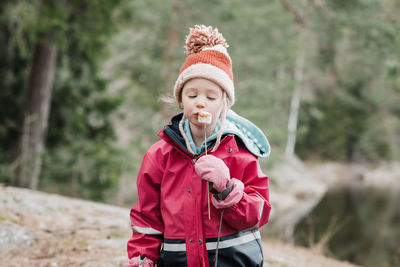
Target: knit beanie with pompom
[208,59]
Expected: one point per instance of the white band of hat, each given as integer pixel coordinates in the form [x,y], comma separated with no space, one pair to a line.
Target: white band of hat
[209,72]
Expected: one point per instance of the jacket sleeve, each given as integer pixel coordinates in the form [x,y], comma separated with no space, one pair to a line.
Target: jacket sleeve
[145,216]
[253,209]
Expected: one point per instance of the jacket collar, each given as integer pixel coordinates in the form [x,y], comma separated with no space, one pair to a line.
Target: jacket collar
[250,135]
[171,134]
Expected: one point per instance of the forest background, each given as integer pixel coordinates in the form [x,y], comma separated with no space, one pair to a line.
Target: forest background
[82,83]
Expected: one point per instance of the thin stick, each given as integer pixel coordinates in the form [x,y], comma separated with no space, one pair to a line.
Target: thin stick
[205,137]
[208,187]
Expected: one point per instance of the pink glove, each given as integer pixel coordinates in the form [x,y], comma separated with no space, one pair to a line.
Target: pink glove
[234,196]
[213,170]
[136,262]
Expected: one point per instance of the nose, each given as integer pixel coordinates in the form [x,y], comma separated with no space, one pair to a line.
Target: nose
[200,104]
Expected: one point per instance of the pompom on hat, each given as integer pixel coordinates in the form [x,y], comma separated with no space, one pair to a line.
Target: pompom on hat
[208,58]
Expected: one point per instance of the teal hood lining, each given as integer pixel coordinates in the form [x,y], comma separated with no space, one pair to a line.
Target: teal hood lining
[253,138]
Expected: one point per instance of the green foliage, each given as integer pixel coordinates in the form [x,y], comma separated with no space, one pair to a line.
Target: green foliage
[335,127]
[14,58]
[79,147]
[83,168]
[350,93]
[350,115]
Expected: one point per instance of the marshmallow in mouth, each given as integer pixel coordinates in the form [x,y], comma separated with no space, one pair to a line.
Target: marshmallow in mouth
[204,117]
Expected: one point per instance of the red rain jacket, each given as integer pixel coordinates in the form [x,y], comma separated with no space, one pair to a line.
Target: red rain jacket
[173,200]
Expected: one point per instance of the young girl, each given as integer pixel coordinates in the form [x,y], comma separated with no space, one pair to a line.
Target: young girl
[201,202]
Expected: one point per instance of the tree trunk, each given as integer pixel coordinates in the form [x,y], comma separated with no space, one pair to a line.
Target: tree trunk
[303,24]
[299,18]
[36,113]
[295,101]
[170,74]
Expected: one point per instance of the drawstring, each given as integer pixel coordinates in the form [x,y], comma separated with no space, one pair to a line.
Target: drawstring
[219,235]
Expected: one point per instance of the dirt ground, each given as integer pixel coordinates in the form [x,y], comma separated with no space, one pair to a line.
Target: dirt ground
[47,230]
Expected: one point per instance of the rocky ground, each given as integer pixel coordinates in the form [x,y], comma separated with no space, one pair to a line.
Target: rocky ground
[39,229]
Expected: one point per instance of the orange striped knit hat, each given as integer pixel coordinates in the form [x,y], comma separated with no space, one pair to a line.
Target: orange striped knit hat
[208,59]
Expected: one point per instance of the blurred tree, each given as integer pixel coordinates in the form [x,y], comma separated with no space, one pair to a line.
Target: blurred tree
[351,62]
[36,113]
[56,18]
[77,32]
[302,25]
[349,89]
[169,55]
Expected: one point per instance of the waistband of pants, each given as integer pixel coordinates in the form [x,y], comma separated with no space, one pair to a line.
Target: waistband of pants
[237,239]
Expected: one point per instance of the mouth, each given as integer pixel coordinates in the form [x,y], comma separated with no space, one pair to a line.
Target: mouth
[204,117]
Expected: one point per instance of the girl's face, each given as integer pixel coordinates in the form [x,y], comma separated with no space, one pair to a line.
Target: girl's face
[201,95]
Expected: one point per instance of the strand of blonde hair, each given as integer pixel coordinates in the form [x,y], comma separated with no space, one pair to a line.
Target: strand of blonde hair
[223,118]
[184,135]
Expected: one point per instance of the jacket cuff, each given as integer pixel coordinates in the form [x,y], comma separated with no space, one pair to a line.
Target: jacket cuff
[234,196]
[139,261]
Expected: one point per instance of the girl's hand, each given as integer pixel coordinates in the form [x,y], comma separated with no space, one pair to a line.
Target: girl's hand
[138,261]
[213,170]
